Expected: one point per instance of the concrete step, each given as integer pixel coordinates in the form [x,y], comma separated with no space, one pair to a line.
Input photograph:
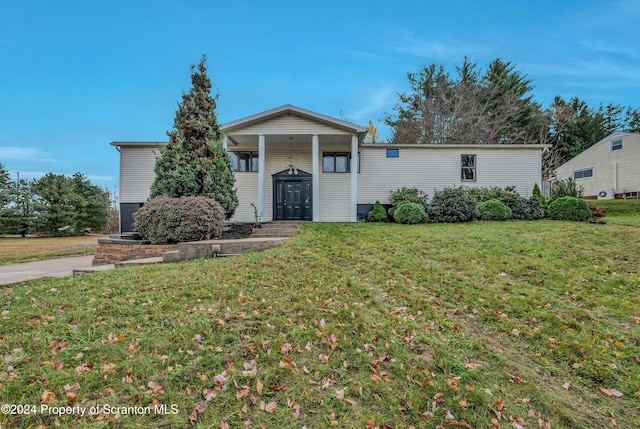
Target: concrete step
[283,231]
[144,261]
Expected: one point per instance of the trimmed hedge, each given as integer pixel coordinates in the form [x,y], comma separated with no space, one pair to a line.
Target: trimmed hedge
[167,220]
[452,205]
[569,208]
[410,213]
[494,210]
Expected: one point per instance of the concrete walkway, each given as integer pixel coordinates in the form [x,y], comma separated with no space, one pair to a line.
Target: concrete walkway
[59,267]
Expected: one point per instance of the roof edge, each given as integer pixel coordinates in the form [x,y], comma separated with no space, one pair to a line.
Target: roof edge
[291,108]
[460,145]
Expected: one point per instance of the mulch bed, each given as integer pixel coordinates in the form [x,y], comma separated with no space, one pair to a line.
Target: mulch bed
[236,231]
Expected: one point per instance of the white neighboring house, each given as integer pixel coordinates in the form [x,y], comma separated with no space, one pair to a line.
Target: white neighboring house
[295,164]
[608,169]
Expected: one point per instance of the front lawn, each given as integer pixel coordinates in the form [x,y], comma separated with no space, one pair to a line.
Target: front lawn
[483,325]
[17,249]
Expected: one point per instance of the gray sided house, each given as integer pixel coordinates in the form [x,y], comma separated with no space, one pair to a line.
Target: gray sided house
[294,164]
[608,169]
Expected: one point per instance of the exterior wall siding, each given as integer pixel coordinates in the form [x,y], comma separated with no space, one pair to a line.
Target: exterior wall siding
[247,192]
[137,173]
[431,168]
[289,124]
[603,161]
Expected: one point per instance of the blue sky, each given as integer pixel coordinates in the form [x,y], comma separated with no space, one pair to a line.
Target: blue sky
[77,75]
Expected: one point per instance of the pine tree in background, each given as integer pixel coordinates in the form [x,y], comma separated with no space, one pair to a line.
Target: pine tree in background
[194,163]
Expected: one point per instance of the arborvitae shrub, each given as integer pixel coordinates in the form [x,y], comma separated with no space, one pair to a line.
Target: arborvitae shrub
[378,214]
[167,220]
[494,210]
[565,188]
[452,205]
[410,213]
[569,208]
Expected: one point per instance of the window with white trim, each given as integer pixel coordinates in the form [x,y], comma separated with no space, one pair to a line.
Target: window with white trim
[244,161]
[583,174]
[468,168]
[338,162]
[616,145]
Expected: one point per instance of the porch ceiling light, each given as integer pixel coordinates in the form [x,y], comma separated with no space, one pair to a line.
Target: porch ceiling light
[291,162]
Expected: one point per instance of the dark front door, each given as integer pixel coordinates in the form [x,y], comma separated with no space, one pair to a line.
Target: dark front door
[292,196]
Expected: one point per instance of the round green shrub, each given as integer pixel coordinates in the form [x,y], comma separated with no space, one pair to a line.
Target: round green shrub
[410,213]
[378,214]
[168,220]
[452,205]
[494,210]
[569,208]
[404,194]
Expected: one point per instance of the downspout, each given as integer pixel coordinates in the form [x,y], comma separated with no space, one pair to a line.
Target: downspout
[615,177]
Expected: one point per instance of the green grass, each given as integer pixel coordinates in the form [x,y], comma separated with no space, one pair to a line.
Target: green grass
[359,325]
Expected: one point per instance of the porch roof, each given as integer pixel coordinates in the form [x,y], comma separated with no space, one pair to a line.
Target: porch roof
[289,109]
[289,124]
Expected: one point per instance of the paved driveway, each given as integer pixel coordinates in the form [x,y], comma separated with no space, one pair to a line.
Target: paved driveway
[60,267]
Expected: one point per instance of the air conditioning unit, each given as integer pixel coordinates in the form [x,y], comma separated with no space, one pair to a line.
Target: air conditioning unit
[606,194]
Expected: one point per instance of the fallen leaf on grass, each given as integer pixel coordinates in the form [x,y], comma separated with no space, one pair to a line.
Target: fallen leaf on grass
[269,408]
[259,387]
[250,368]
[566,385]
[157,388]
[71,387]
[85,367]
[48,397]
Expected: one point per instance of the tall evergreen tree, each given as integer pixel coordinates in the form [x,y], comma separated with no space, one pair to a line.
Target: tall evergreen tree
[21,216]
[56,205]
[194,163]
[5,187]
[472,107]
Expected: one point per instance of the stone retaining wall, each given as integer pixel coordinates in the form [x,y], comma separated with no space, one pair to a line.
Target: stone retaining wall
[112,250]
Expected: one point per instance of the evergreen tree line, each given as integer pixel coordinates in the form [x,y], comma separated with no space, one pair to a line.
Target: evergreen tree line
[53,205]
[496,106]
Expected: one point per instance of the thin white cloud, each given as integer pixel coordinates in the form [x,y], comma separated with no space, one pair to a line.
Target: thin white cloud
[373,102]
[101,179]
[440,50]
[609,48]
[367,55]
[17,153]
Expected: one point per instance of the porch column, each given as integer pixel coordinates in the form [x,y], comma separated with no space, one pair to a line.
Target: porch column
[261,155]
[315,182]
[354,178]
[224,143]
